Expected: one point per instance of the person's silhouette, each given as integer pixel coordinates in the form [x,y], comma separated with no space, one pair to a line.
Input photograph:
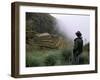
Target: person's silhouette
[78,47]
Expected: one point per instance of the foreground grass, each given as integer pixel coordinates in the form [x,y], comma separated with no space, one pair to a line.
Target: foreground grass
[41,57]
[53,57]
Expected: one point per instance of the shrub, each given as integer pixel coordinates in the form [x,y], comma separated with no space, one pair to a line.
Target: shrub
[83,60]
[66,56]
[50,60]
[32,61]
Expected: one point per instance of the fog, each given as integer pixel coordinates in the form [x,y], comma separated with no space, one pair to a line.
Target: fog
[70,24]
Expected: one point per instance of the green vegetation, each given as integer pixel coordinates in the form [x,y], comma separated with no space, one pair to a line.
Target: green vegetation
[53,57]
[40,31]
[86,47]
[32,61]
[66,56]
[50,60]
[84,58]
[39,23]
[45,58]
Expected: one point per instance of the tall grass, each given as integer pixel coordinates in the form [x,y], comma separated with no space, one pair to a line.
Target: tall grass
[50,60]
[53,57]
[66,56]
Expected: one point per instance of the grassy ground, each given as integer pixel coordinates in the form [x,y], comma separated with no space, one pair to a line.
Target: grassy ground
[41,56]
[52,57]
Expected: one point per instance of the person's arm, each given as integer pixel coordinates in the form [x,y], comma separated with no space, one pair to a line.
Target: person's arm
[75,45]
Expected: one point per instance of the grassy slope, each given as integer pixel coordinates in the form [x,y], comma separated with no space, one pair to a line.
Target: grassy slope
[38,58]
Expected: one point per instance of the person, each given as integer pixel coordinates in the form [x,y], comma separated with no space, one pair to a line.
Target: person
[78,47]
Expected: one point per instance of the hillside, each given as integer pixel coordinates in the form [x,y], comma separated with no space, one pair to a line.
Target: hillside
[38,24]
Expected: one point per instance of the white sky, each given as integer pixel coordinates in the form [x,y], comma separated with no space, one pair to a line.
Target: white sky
[69,24]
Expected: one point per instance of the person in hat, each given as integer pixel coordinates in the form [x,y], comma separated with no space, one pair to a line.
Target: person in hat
[78,47]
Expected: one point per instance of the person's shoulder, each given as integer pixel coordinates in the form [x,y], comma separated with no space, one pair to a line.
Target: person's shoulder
[75,39]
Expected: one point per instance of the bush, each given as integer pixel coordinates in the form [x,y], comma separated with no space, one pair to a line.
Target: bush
[50,60]
[32,61]
[83,60]
[66,56]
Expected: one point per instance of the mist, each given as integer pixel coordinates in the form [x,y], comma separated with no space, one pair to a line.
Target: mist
[70,24]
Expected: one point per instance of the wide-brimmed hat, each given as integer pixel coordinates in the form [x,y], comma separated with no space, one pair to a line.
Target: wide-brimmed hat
[78,33]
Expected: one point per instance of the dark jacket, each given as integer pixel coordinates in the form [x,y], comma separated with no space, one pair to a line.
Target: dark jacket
[78,46]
